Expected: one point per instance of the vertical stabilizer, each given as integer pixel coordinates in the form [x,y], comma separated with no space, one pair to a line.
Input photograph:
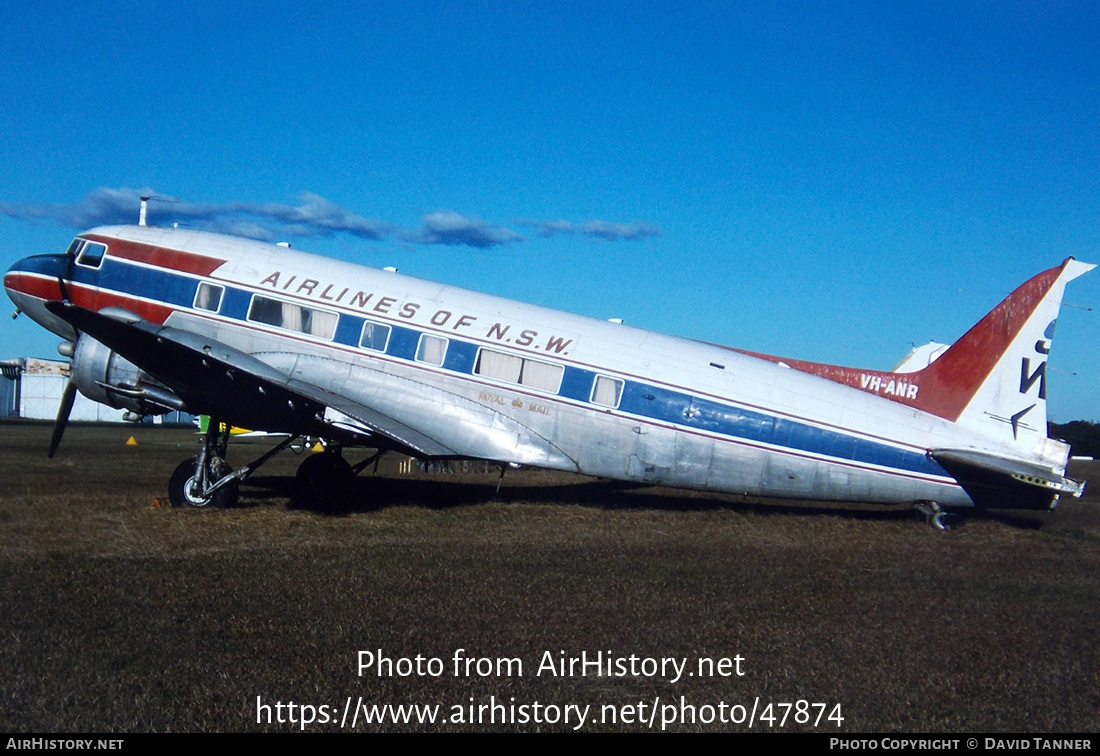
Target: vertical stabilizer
[993,379]
[1000,365]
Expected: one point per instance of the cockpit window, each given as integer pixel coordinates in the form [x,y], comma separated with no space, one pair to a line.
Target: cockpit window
[88,253]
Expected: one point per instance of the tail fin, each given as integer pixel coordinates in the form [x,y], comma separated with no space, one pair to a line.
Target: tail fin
[993,379]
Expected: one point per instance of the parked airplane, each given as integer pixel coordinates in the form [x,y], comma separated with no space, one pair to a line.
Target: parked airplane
[264,337]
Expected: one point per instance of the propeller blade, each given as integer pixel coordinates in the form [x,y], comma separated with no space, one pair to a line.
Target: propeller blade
[67,399]
[68,272]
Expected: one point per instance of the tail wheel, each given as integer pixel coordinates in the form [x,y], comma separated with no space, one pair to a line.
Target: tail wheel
[935,515]
[184,491]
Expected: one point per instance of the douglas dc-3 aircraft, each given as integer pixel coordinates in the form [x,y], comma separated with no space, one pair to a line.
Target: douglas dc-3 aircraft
[264,337]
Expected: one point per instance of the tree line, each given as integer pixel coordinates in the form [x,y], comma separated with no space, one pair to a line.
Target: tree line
[1081,435]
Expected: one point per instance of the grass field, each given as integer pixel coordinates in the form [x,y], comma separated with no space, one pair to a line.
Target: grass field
[117,614]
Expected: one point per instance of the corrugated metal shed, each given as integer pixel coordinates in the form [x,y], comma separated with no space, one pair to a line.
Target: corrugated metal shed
[40,396]
[31,388]
[9,388]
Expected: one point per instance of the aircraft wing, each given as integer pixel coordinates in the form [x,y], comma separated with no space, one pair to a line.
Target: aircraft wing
[990,480]
[215,379]
[344,414]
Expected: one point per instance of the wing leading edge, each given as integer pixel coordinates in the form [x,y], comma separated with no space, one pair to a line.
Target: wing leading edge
[215,379]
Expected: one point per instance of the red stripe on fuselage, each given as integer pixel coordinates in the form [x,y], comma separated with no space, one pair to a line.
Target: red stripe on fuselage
[161,257]
[947,385]
[33,284]
[88,297]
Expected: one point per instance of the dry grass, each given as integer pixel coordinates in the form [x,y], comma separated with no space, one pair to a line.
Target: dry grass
[121,616]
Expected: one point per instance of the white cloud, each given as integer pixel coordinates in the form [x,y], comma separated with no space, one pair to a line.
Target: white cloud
[313,216]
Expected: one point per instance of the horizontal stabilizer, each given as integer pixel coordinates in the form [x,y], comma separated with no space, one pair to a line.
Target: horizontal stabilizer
[993,481]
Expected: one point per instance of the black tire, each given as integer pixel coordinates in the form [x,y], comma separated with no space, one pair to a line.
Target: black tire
[224,498]
[322,482]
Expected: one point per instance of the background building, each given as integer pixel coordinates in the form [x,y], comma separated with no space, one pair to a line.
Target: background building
[31,388]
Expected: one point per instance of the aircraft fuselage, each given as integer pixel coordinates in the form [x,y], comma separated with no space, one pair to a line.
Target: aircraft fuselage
[472,375]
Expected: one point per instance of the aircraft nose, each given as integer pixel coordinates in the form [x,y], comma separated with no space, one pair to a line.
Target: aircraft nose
[33,281]
[12,280]
[36,275]
[26,277]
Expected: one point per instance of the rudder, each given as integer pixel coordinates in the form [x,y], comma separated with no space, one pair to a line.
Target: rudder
[994,378]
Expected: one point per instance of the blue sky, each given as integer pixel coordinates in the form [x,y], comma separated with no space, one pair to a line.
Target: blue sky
[830,181]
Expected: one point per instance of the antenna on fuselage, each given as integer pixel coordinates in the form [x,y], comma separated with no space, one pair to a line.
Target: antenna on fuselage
[143,211]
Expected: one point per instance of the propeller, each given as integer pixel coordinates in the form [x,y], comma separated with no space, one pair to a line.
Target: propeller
[70,264]
[68,396]
[66,407]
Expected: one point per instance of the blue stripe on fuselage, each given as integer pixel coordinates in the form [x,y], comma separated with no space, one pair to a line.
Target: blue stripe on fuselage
[156,284]
[656,403]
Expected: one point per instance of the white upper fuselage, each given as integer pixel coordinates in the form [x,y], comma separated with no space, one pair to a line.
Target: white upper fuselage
[603,398]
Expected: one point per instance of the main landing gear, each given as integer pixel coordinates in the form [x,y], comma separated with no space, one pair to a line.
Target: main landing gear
[323,480]
[207,480]
[190,484]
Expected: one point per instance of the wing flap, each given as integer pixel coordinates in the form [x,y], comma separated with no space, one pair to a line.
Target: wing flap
[344,414]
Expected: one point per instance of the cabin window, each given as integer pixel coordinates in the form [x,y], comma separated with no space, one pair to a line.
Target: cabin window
[431,350]
[209,297]
[544,376]
[607,391]
[292,317]
[375,336]
[502,367]
[88,253]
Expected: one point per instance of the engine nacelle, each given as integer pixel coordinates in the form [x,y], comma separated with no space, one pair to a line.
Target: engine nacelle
[105,377]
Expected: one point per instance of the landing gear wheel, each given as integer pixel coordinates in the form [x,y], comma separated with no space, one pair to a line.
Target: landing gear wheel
[944,521]
[935,516]
[322,482]
[183,492]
